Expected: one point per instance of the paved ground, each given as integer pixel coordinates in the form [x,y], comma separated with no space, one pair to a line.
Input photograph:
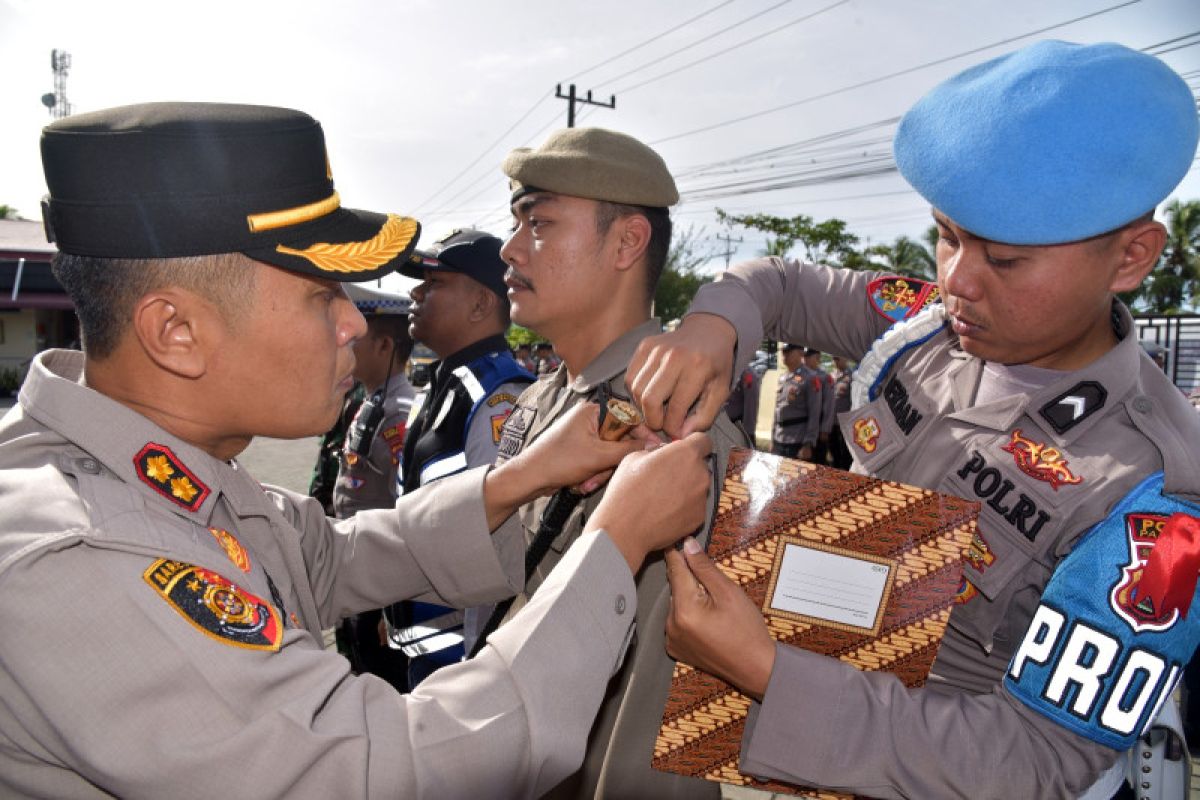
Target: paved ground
[282,462]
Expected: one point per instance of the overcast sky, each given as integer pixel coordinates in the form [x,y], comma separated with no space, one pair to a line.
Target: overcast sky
[420,100]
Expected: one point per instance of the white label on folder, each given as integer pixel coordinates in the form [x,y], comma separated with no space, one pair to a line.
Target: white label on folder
[829,586]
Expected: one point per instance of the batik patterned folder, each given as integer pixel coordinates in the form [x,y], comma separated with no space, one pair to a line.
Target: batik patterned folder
[856,568]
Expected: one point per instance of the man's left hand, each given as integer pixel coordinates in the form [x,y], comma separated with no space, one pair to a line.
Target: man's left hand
[713,625]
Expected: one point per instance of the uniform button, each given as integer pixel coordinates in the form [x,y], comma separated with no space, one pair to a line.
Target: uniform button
[1142,404]
[620,604]
[89,466]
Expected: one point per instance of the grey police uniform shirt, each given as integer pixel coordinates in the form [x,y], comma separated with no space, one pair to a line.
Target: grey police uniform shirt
[825,723]
[621,745]
[369,481]
[162,614]
[797,408]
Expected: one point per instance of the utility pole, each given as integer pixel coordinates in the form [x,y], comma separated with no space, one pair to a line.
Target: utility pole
[573,100]
[56,101]
[729,249]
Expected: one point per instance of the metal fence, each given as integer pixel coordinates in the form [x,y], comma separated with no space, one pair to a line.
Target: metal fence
[1180,335]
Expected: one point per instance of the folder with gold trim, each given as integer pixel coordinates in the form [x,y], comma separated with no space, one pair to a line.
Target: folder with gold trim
[853,567]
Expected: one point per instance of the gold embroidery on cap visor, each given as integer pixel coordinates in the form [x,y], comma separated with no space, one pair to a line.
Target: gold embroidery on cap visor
[270,220]
[395,235]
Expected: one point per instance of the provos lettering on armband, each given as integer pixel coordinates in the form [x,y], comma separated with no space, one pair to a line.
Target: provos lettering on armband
[1090,676]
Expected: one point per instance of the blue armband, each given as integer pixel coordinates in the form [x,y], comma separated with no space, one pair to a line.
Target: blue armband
[1098,658]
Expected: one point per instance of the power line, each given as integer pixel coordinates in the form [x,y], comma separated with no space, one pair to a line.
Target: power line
[654,38]
[891,75]
[752,39]
[486,150]
[542,99]
[699,41]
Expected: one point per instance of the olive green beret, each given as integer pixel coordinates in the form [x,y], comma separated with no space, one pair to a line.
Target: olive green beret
[594,163]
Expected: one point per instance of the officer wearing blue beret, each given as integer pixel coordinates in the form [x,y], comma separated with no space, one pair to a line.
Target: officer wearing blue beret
[1016,381]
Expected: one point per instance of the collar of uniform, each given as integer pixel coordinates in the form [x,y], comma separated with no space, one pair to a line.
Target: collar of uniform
[490,344]
[614,359]
[54,394]
[1116,371]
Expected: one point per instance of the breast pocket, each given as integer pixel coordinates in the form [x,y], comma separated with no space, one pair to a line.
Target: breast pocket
[1010,556]
[872,435]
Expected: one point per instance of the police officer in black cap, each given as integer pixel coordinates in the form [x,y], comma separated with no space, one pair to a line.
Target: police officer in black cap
[163,612]
[460,312]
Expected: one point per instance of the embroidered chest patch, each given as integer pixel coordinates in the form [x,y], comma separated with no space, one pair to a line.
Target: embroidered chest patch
[162,471]
[899,298]
[866,433]
[217,607]
[1037,460]
[514,430]
[232,547]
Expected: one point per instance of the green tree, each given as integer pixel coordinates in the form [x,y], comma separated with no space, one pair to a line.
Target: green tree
[828,241]
[681,277]
[1174,283]
[905,256]
[8,212]
[517,335]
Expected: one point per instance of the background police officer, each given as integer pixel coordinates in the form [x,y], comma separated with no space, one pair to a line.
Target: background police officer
[797,407]
[371,450]
[460,312]
[369,453]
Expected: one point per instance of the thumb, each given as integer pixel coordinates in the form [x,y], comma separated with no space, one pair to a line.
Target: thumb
[703,569]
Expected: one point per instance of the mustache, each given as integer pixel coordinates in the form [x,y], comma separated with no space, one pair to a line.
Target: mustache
[516,277]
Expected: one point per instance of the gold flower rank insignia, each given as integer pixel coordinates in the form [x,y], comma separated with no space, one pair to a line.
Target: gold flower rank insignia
[216,606]
[162,471]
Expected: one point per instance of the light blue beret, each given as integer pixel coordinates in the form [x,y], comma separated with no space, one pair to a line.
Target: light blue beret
[1054,143]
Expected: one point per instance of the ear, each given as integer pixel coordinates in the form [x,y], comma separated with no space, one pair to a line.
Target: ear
[174,327]
[1137,250]
[381,344]
[634,233]
[483,304]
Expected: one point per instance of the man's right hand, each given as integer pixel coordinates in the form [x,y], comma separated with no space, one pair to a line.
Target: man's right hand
[655,498]
[681,379]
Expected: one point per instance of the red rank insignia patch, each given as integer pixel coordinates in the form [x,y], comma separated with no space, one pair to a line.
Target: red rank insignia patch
[233,548]
[899,298]
[394,436]
[218,608]
[1037,460]
[1143,531]
[866,433]
[162,471]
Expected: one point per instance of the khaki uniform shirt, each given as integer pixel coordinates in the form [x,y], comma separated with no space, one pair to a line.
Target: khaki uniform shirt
[824,723]
[162,615]
[621,745]
[369,480]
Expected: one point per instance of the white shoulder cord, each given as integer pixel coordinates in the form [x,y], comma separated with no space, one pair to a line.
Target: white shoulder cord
[894,341]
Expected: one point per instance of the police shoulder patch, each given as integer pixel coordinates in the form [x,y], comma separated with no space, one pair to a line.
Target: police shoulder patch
[1103,652]
[897,298]
[216,606]
[162,471]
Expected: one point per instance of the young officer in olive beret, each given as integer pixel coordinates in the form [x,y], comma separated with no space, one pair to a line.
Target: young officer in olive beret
[592,231]
[163,612]
[1016,381]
